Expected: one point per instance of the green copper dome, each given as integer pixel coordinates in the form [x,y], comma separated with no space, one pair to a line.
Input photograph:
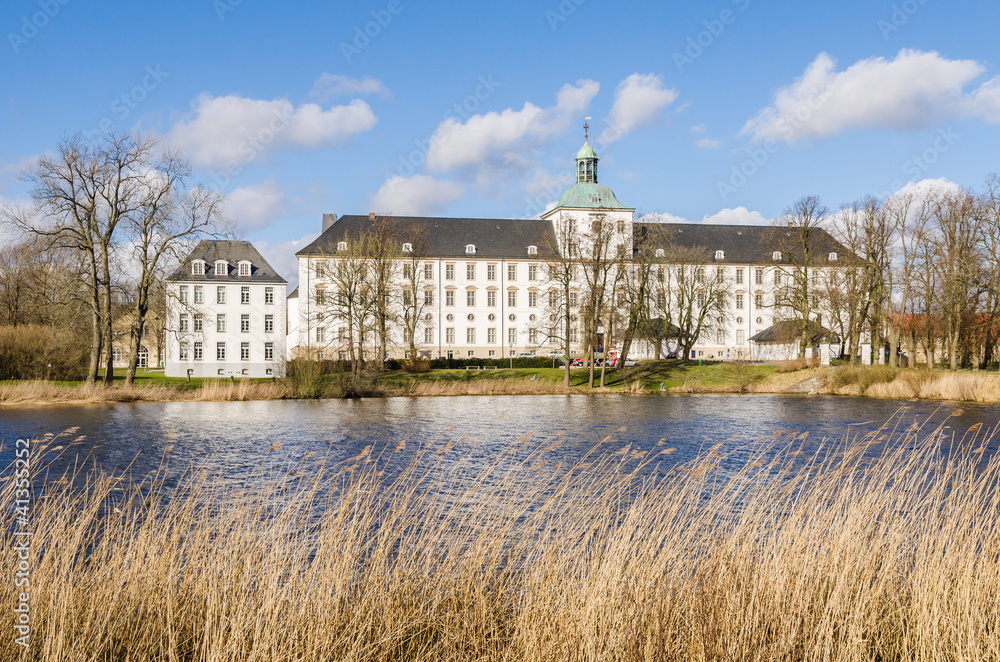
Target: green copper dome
[589,195]
[586,152]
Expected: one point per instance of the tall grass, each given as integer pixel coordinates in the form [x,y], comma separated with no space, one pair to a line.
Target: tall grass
[788,556]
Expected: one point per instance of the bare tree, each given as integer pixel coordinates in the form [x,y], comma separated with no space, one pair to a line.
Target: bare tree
[600,256]
[561,299]
[697,295]
[990,232]
[415,296]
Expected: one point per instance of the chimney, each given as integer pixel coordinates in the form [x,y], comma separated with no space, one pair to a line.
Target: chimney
[371,216]
[328,221]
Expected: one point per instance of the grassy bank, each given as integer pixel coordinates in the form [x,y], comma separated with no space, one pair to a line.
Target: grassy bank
[791,557]
[886,382]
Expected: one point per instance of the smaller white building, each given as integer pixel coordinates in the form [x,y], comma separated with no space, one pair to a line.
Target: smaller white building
[225,314]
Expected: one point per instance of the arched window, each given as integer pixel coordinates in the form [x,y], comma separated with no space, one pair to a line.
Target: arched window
[776,255]
[532,250]
[244,268]
[470,249]
[660,252]
[833,257]
[407,248]
[198,268]
[221,268]
[720,255]
[341,245]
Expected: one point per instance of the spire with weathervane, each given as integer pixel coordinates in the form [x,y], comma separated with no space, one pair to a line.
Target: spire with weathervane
[586,159]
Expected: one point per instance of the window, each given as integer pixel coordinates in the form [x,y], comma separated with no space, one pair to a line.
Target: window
[739,336]
[182,294]
[532,299]
[571,226]
[491,336]
[198,351]
[320,269]
[470,249]
[117,354]
[491,298]
[407,271]
[701,299]
[572,334]
[341,333]
[491,272]
[198,326]
[758,276]
[269,295]
[777,278]
[407,248]
[221,268]
[758,300]
[511,336]
[268,323]
[511,272]
[320,334]
[739,302]
[220,294]
[512,299]
[182,324]
[320,296]
[245,294]
[660,252]
[244,351]
[533,336]
[739,276]
[776,255]
[244,269]
[833,257]
[184,351]
[449,272]
[699,275]
[197,268]
[449,335]
[470,336]
[573,298]
[470,271]
[532,250]
[244,323]
[199,294]
[470,298]
[428,335]
[720,255]
[407,298]
[449,297]
[428,297]
[429,271]
[220,323]
[269,351]
[532,272]
[341,245]
[220,351]
[661,300]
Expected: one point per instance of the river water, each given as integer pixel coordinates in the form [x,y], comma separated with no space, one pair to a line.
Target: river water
[234,439]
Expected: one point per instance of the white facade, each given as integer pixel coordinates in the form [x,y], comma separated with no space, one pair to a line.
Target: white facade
[224,326]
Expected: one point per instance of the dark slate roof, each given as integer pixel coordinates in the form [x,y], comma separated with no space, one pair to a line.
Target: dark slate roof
[494,238]
[233,252]
[744,244]
[294,294]
[788,331]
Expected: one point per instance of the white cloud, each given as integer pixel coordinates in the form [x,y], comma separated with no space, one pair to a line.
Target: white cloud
[913,91]
[418,195]
[737,216]
[328,86]
[503,137]
[985,101]
[235,129]
[639,99]
[256,206]
[708,143]
[281,256]
[698,129]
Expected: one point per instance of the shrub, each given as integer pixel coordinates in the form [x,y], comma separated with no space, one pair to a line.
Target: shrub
[33,351]
[416,367]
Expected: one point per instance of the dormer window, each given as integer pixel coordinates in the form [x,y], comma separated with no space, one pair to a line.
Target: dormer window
[470,249]
[833,257]
[660,252]
[198,268]
[221,268]
[776,255]
[532,250]
[244,269]
[407,248]
[720,255]
[341,245]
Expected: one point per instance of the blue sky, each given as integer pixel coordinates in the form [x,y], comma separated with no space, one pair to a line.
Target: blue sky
[725,111]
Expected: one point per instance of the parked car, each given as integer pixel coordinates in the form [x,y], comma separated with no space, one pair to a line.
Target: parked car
[555,354]
[629,363]
[527,355]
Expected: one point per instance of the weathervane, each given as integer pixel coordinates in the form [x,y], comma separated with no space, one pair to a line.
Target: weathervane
[586,128]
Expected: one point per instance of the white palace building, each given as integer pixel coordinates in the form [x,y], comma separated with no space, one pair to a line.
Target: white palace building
[477,287]
[484,287]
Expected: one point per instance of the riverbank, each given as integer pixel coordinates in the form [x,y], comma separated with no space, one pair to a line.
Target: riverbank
[650,377]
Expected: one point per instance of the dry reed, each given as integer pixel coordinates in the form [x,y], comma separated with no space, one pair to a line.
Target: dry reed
[838,556]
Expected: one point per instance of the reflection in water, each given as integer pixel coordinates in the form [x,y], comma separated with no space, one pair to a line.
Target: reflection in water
[233,440]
